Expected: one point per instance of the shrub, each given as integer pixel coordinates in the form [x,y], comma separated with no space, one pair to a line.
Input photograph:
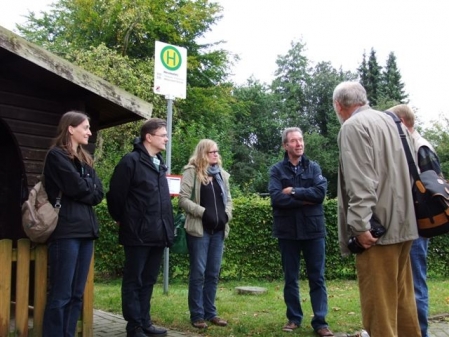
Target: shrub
[250,251]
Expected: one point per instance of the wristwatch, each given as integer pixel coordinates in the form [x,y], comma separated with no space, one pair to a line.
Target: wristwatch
[293,191]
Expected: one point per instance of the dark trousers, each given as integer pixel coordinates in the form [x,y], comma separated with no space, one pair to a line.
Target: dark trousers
[69,261]
[142,265]
[313,252]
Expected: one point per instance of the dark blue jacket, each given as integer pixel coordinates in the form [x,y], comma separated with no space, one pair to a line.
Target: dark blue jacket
[139,199]
[299,216]
[81,189]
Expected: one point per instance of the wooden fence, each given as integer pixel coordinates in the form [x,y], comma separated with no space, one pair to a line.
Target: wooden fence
[18,317]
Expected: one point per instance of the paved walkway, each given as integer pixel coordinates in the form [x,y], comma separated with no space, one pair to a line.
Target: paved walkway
[111,325]
[439,326]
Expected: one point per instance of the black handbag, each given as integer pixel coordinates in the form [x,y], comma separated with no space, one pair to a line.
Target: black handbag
[430,194]
[432,205]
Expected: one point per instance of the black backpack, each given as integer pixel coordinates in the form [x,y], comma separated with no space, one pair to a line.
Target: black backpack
[430,194]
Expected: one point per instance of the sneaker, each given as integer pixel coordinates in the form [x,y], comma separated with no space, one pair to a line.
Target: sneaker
[154,331]
[137,332]
[290,326]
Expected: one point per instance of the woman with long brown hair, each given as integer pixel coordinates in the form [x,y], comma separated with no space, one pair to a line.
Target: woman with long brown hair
[68,173]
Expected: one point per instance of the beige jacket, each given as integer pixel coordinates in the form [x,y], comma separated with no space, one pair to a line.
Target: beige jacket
[373,177]
[194,211]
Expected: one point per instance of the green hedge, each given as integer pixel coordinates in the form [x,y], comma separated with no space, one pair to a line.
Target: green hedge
[250,250]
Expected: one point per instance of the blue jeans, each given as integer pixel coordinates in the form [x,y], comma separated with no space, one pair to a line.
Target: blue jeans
[418,259]
[313,252]
[142,265]
[205,255]
[69,261]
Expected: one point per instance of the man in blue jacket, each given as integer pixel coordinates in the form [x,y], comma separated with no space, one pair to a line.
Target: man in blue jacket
[139,201]
[297,191]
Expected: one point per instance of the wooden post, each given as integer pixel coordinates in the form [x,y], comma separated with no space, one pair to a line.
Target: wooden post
[5,285]
[22,287]
[40,288]
[88,304]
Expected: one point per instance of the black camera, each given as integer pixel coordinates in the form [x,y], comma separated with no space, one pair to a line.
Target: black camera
[377,230]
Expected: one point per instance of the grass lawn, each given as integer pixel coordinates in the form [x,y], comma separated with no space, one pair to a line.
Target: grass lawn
[257,315]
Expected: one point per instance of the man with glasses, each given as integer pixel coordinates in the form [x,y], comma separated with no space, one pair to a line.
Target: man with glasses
[139,201]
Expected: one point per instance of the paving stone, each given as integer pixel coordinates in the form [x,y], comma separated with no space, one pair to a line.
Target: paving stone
[107,324]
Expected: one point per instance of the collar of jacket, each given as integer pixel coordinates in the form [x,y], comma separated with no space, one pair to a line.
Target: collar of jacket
[304,161]
[146,158]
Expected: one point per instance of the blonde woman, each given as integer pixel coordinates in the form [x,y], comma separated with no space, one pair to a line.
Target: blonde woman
[206,199]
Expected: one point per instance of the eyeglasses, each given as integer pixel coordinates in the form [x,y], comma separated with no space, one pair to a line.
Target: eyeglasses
[163,136]
[214,152]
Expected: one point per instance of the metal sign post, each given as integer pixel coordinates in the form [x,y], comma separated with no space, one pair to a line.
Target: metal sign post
[170,79]
[168,162]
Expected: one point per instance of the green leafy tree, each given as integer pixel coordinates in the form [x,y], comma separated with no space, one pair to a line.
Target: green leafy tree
[130,27]
[257,136]
[392,87]
[373,79]
[384,86]
[322,80]
[321,144]
[363,71]
[289,87]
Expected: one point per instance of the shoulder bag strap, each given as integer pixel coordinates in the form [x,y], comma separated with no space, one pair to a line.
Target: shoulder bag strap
[59,197]
[411,163]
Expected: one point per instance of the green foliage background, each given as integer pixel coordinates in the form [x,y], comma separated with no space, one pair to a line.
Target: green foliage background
[250,250]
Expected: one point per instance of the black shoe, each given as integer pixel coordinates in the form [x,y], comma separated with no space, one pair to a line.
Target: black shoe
[154,331]
[137,332]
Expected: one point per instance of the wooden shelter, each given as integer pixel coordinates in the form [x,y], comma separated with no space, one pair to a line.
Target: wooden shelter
[36,88]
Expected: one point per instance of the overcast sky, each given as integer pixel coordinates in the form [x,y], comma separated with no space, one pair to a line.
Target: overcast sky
[338,31]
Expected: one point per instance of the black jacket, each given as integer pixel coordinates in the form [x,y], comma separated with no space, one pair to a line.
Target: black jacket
[294,218]
[139,199]
[81,189]
[214,216]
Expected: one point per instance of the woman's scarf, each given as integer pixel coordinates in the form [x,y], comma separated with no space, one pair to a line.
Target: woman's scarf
[214,171]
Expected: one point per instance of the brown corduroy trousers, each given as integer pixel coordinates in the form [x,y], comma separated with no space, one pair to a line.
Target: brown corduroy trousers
[386,291]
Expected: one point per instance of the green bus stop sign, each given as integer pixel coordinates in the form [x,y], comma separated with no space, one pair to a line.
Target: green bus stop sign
[171,58]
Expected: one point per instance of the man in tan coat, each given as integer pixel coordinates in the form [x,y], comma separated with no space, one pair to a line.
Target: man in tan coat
[374,182]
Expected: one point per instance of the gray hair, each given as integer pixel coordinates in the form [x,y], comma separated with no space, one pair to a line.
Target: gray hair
[287,131]
[349,94]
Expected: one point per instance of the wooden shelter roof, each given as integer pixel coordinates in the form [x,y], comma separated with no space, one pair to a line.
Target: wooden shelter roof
[26,62]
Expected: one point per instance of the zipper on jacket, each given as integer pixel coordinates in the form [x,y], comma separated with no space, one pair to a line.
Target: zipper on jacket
[215,203]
